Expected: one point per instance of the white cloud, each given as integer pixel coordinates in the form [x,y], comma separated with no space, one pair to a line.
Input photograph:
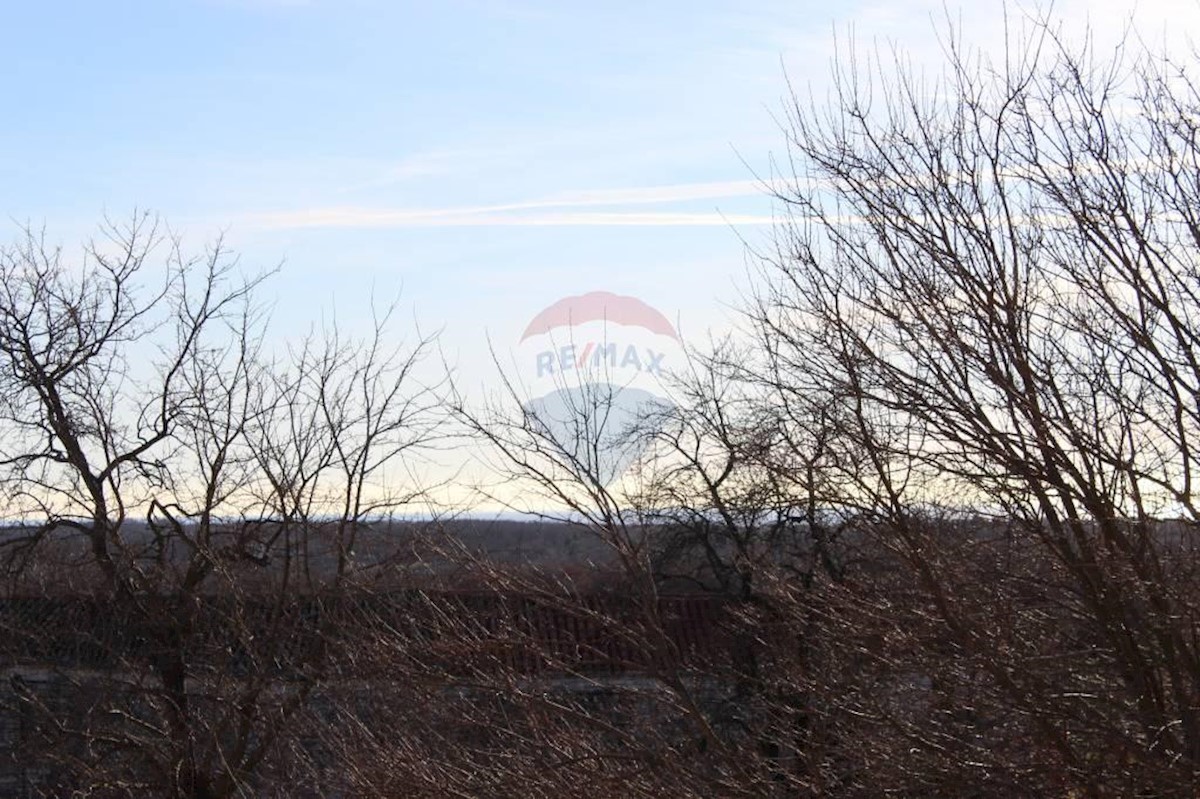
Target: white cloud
[541,212]
[368,218]
[659,194]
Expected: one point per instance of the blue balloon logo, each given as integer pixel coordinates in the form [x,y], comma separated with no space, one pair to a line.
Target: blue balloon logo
[597,368]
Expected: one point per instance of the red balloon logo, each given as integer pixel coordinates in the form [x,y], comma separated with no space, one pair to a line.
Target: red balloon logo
[597,367]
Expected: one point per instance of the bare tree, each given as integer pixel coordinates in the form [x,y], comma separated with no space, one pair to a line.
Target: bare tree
[992,277]
[950,484]
[197,496]
[726,502]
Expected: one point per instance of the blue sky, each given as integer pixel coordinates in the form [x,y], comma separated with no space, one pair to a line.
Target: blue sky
[383,144]
[481,159]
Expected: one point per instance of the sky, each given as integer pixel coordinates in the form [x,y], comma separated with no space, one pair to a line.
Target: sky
[476,159]
[462,152]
